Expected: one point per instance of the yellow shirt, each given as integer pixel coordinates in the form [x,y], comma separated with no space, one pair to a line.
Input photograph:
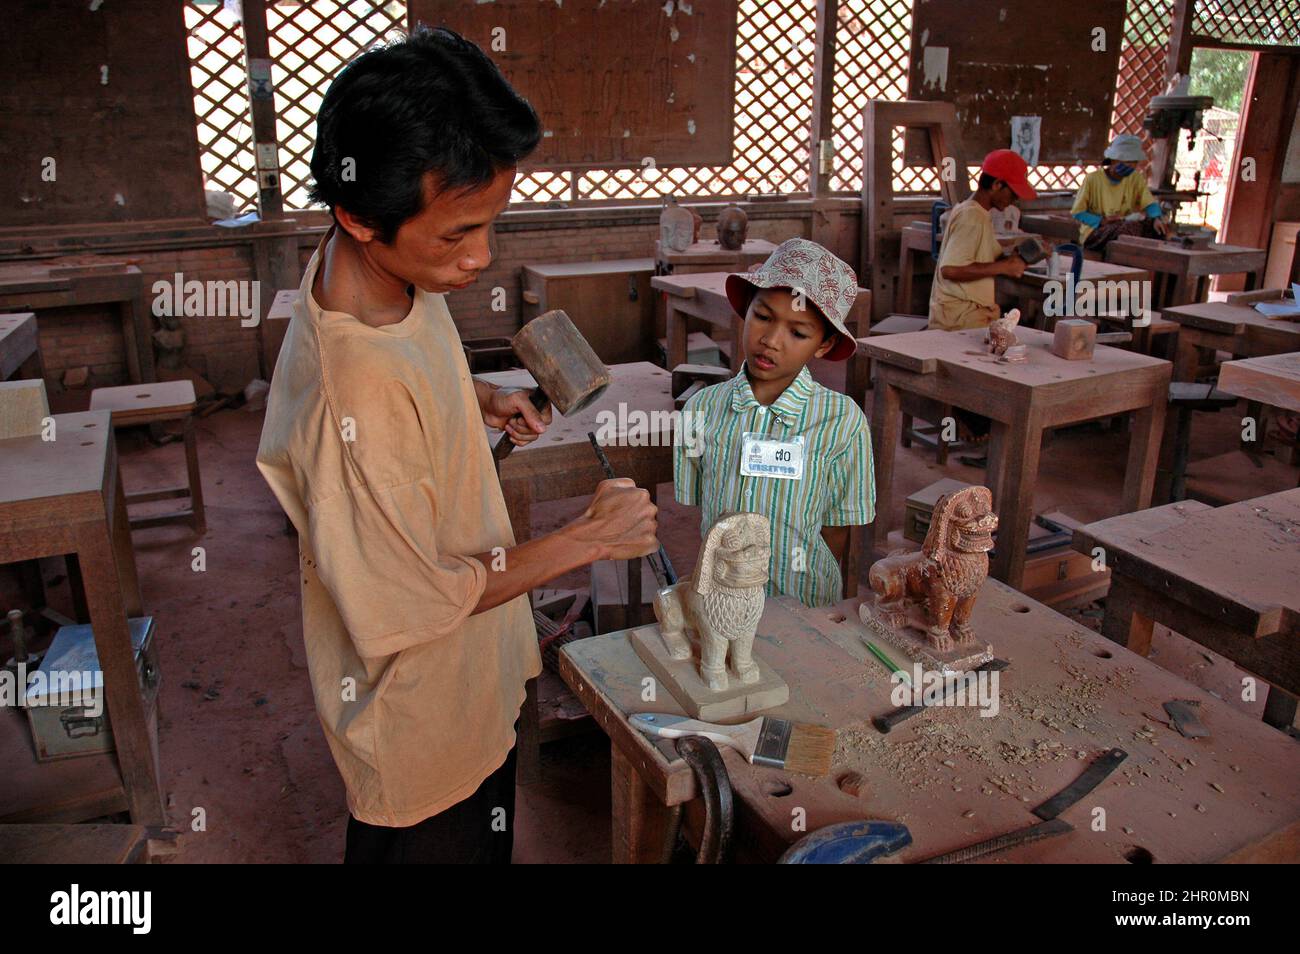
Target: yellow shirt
[967,239]
[1102,196]
[374,445]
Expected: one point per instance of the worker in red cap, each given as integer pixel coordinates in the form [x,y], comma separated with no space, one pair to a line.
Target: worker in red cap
[970,257]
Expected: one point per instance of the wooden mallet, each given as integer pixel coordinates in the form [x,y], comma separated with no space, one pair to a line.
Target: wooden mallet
[567,371]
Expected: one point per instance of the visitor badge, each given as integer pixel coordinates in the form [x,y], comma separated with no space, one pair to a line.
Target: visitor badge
[761,456]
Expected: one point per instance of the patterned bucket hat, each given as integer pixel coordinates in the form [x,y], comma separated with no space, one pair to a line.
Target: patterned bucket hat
[801,265]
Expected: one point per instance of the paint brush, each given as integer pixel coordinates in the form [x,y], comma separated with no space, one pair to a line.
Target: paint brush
[887,662]
[776,743]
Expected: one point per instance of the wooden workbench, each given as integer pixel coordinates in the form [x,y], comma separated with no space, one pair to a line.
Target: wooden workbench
[915,242]
[703,295]
[712,257]
[1273,380]
[1237,329]
[34,287]
[953,777]
[1182,274]
[953,368]
[562,464]
[1225,577]
[20,353]
[1029,291]
[64,496]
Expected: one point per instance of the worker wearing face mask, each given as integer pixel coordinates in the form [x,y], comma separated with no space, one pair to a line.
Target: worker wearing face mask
[1115,199]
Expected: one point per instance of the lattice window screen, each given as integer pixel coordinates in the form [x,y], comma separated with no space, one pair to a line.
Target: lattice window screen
[872,41]
[310,43]
[221,112]
[1142,62]
[871,62]
[774,76]
[1268,22]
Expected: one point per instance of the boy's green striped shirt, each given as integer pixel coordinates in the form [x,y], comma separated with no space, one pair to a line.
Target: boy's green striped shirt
[838,487]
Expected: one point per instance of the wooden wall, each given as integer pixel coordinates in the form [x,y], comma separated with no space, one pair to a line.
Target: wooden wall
[101,99]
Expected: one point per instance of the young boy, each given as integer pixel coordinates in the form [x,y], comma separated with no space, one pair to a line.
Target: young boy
[963,292]
[772,440]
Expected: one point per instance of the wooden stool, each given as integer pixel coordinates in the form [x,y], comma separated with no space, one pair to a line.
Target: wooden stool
[1184,398]
[155,403]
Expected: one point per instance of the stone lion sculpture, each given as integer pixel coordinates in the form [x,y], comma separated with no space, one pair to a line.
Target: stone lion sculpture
[722,601]
[946,575]
[1002,332]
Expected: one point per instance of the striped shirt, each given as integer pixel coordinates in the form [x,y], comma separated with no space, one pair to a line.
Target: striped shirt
[837,488]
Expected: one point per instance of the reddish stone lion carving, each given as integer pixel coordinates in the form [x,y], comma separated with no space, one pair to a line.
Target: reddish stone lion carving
[946,575]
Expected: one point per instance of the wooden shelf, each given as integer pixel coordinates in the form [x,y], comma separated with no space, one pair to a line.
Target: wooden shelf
[66,790]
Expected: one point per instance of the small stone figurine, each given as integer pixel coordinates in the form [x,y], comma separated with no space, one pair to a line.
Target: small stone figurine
[943,579]
[1002,334]
[676,226]
[733,228]
[722,601]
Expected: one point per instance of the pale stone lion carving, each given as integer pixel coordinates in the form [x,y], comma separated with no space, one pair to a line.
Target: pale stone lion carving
[946,575]
[722,601]
[1002,333]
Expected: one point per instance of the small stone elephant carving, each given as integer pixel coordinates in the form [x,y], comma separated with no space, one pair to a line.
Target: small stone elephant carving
[722,601]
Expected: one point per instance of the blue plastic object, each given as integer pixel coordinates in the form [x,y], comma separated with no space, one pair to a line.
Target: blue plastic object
[1077,265]
[848,843]
[936,213]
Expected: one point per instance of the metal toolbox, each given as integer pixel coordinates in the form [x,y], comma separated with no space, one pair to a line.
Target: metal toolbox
[65,696]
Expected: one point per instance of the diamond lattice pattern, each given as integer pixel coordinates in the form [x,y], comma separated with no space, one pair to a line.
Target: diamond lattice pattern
[215,40]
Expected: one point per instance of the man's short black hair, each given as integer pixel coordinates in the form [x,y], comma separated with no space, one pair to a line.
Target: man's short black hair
[431,102]
[987,181]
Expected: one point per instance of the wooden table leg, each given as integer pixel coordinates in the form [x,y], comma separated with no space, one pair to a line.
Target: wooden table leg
[886,431]
[1012,482]
[903,300]
[1279,708]
[1144,453]
[195,480]
[109,599]
[640,820]
[1123,623]
[676,329]
[123,551]
[1187,355]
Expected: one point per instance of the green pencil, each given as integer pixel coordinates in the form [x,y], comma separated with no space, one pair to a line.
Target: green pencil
[888,663]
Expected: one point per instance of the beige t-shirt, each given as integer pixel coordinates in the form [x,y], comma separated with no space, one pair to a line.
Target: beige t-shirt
[374,445]
[968,238]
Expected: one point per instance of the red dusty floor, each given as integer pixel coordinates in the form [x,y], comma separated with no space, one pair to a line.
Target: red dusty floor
[238,732]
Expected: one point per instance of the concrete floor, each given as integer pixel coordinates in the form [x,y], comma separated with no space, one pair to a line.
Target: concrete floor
[238,732]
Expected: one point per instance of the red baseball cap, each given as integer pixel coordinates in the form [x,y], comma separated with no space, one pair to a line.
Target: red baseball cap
[1011,168]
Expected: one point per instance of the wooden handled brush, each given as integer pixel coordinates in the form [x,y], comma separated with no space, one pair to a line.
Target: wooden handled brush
[776,743]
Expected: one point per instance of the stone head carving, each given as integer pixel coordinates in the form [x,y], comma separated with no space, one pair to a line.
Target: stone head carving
[736,554]
[963,522]
[676,226]
[733,228]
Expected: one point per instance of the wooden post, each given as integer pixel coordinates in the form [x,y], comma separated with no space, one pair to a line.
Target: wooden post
[1271,98]
[1179,61]
[261,100]
[823,95]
